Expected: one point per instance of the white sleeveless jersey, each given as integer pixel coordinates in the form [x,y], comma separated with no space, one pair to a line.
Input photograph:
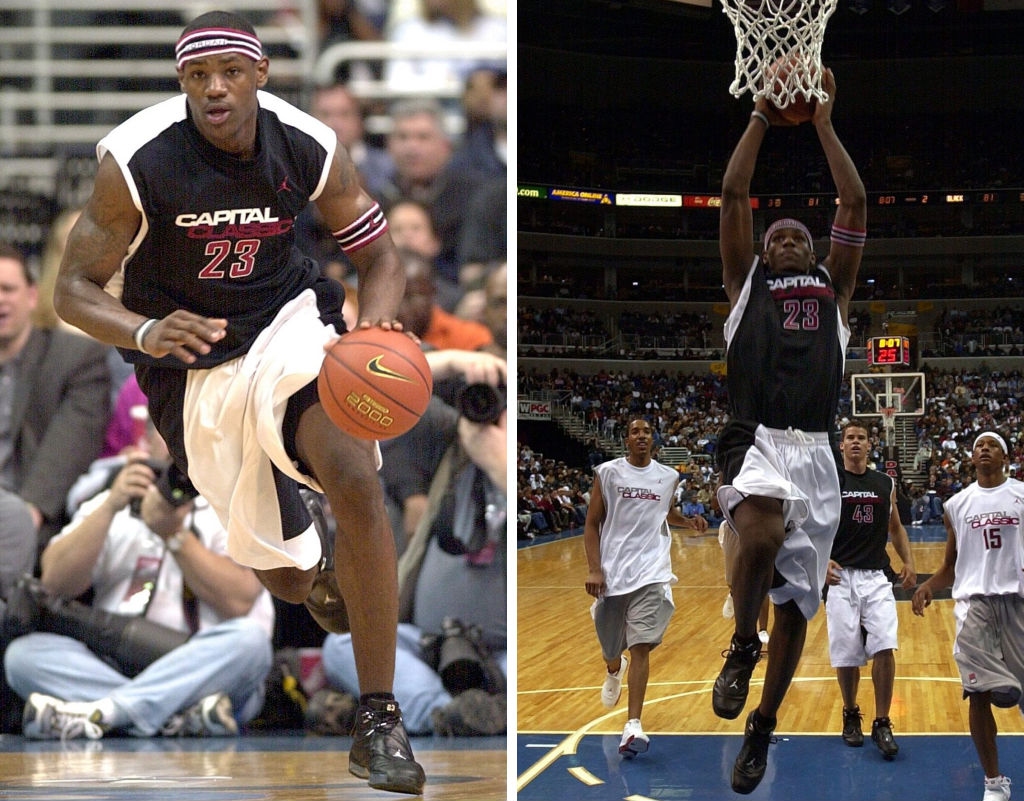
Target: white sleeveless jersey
[635,538]
[989,542]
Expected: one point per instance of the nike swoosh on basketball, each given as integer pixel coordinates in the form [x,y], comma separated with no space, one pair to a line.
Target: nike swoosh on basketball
[374,366]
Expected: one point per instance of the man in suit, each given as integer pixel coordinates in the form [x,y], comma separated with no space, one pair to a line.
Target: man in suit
[54,401]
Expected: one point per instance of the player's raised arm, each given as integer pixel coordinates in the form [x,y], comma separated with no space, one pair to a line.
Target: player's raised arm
[736,222]
[849,228]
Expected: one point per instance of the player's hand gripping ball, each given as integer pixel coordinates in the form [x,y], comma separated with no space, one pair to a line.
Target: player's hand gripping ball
[375,384]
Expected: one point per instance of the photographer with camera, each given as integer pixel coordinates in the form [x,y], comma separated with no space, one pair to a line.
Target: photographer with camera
[177,639]
[448,477]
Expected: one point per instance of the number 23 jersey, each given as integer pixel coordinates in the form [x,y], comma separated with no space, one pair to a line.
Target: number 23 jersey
[786,348]
[217,235]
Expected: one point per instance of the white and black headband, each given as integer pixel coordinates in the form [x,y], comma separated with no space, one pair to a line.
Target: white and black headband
[214,42]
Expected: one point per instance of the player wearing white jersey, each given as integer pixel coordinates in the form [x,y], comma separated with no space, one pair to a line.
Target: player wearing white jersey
[984,562]
[626,537]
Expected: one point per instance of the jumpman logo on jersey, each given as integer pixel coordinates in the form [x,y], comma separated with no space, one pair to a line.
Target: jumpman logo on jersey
[284,186]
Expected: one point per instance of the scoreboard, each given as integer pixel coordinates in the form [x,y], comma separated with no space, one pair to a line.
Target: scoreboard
[889,352]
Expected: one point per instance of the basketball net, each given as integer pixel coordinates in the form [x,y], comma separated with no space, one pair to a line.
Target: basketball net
[789,32]
[888,420]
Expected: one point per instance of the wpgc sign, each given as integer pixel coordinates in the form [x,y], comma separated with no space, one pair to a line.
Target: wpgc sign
[534,409]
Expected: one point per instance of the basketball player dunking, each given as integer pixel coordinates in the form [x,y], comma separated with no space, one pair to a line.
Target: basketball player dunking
[786,337]
[226,323]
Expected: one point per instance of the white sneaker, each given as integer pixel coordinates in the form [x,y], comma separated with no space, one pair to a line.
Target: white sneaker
[612,688]
[212,716]
[634,741]
[762,635]
[49,718]
[728,610]
[997,789]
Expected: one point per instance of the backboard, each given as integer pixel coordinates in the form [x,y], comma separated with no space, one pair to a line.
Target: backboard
[871,393]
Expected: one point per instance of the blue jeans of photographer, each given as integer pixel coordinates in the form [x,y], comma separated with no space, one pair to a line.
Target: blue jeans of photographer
[232,657]
[418,687]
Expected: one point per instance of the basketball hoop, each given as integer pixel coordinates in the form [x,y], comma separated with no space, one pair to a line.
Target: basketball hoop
[888,417]
[769,32]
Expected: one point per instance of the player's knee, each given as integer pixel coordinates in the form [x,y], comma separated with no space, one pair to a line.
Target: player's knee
[1005,697]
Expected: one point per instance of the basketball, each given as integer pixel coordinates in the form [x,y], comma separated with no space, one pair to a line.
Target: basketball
[799,109]
[375,384]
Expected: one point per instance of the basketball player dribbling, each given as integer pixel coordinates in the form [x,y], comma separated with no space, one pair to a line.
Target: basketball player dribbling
[786,337]
[226,324]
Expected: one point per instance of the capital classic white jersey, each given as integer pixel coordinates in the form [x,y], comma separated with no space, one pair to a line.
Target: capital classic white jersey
[635,538]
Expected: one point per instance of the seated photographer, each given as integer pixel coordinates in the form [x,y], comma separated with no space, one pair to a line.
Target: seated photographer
[177,639]
[448,476]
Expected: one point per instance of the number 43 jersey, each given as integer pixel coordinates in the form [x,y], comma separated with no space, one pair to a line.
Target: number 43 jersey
[989,549]
[217,232]
[864,521]
[786,350]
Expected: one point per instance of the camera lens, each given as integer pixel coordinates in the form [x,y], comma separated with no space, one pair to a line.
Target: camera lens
[482,403]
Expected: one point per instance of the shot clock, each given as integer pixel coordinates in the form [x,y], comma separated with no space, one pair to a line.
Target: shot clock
[888,352]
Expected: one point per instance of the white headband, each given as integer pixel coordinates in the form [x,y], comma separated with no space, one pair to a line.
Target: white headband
[214,42]
[995,436]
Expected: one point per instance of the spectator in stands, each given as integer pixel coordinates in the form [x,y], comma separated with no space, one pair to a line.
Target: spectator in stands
[412,228]
[343,112]
[420,313]
[484,148]
[421,148]
[453,568]
[442,22]
[924,453]
[348,21]
[337,107]
[168,566]
[45,316]
[128,420]
[477,96]
[484,235]
[54,401]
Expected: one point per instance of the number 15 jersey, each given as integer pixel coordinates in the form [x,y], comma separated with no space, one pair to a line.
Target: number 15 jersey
[989,547]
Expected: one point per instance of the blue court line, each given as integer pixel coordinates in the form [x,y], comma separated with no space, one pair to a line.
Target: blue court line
[800,768]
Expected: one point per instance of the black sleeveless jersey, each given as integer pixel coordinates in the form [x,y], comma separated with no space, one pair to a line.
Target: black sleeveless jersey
[217,233]
[864,521]
[786,350]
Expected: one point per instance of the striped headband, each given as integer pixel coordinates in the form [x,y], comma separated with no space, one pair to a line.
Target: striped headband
[214,42]
[995,436]
[788,222]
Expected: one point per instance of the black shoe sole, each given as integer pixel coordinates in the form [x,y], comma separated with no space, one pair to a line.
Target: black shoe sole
[854,743]
[410,785]
[413,785]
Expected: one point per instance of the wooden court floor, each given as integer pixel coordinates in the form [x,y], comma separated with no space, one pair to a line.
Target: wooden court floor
[560,668]
[247,768]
